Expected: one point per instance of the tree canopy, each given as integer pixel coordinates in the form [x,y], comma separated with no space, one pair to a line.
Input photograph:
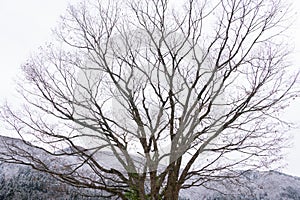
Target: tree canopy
[177,94]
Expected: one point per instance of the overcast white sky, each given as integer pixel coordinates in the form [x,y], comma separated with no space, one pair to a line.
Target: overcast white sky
[25,25]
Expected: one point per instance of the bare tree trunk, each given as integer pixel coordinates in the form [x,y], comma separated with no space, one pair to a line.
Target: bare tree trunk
[154,185]
[173,187]
[172,190]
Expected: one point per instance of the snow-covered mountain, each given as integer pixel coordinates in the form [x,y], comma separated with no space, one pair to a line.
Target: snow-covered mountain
[251,185]
[22,182]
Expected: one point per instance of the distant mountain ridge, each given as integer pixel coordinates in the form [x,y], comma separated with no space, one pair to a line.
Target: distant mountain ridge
[255,185]
[18,182]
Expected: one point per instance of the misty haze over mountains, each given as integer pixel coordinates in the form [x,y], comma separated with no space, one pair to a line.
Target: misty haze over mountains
[23,182]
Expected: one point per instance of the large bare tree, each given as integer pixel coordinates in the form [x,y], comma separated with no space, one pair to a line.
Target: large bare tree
[144,98]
